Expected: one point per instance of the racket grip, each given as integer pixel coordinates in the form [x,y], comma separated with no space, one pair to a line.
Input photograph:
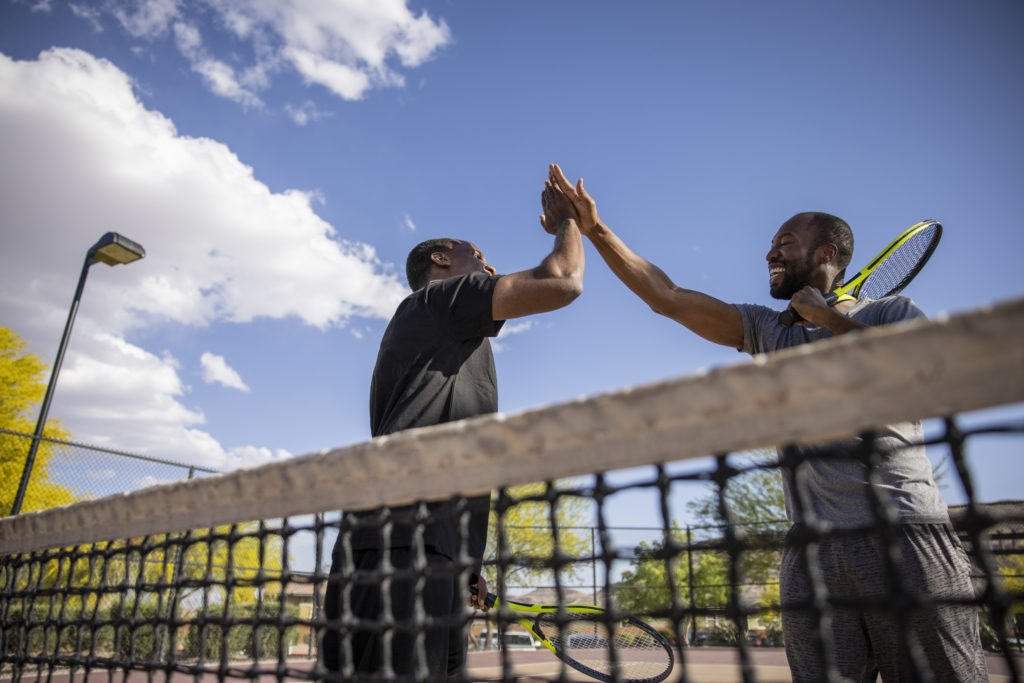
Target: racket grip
[789,317]
[491,597]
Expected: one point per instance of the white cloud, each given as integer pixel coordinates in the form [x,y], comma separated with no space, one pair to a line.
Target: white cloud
[305,113]
[346,81]
[188,39]
[408,222]
[81,157]
[216,370]
[145,18]
[92,15]
[219,77]
[253,456]
[346,46]
[507,330]
[149,480]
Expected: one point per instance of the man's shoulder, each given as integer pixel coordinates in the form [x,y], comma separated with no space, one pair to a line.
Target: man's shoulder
[474,280]
[757,314]
[887,309]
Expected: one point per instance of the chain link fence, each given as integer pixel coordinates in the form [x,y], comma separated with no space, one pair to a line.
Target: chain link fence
[66,471]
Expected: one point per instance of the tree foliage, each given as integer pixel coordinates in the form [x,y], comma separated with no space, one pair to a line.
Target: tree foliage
[757,509]
[754,498]
[114,579]
[645,587]
[529,540]
[148,581]
[21,391]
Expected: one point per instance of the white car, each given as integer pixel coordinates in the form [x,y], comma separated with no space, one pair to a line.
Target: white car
[519,640]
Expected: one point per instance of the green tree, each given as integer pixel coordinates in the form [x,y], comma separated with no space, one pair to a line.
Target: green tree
[645,588]
[21,391]
[148,579]
[528,538]
[757,510]
[529,541]
[1011,569]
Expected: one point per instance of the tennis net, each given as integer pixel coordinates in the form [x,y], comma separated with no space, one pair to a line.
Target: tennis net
[230,576]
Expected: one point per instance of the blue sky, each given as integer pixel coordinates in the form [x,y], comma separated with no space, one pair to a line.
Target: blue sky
[278,161]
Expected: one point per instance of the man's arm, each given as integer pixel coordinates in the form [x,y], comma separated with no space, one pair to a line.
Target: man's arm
[558,280]
[810,304]
[705,315]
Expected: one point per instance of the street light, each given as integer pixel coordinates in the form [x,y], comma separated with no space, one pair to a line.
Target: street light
[111,249]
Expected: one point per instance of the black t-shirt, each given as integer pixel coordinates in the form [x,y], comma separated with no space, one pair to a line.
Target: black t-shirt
[435,365]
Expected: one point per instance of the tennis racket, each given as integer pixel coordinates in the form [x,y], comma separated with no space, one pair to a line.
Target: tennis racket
[889,272]
[582,637]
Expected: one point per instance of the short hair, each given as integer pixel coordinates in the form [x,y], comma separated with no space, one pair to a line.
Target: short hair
[418,264]
[833,230]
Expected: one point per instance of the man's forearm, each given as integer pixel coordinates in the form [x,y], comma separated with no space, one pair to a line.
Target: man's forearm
[704,315]
[566,260]
[555,283]
[835,322]
[642,277]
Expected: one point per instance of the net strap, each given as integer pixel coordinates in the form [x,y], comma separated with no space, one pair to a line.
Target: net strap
[907,371]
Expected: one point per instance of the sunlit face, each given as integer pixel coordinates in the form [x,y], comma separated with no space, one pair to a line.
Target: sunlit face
[464,257]
[791,258]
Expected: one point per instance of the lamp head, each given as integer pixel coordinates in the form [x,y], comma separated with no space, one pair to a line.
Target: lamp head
[113,249]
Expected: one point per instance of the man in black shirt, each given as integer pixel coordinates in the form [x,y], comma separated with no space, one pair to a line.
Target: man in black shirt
[434,366]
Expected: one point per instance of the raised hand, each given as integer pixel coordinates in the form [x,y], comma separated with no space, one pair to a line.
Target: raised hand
[586,207]
[558,207]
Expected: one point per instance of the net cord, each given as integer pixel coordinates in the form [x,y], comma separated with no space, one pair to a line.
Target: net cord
[907,371]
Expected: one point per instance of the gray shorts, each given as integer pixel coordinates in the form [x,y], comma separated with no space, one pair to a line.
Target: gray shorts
[865,642]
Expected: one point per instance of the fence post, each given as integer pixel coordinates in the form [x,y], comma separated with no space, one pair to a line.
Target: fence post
[689,580]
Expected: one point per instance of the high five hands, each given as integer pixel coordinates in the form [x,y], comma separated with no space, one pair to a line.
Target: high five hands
[558,207]
[583,205]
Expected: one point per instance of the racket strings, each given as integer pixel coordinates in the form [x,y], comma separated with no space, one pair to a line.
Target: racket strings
[587,640]
[902,265]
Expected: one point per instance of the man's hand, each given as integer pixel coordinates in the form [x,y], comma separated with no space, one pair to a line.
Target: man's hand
[810,304]
[558,208]
[586,207]
[478,600]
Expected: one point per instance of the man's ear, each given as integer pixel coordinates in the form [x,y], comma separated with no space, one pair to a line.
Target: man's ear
[827,253]
[440,259]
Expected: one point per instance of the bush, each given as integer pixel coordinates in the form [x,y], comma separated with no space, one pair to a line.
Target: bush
[205,635]
[723,633]
[989,639]
[773,636]
[262,641]
[37,635]
[244,638]
[134,637]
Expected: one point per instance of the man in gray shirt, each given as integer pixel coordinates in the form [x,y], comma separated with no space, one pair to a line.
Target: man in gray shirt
[807,259]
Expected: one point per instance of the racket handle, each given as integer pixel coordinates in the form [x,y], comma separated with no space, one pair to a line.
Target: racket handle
[491,597]
[790,317]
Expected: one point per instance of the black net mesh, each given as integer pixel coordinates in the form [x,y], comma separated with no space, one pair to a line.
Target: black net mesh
[257,574]
[231,602]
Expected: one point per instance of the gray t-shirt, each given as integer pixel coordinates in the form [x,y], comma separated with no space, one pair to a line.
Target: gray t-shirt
[838,486]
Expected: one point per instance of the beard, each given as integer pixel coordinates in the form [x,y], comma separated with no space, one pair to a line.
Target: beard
[794,278]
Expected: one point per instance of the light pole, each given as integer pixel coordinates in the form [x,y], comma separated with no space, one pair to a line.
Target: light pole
[111,249]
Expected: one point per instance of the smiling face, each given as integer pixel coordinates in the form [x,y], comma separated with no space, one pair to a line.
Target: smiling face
[792,262]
